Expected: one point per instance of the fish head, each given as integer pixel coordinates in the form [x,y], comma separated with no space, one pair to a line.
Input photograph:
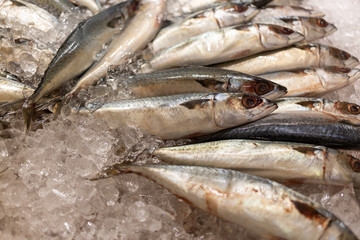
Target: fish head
[275,36]
[235,13]
[333,77]
[334,56]
[236,109]
[349,111]
[317,27]
[261,87]
[341,167]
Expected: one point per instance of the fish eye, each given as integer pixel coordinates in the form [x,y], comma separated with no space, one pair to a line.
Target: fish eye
[262,88]
[281,30]
[353,108]
[250,101]
[322,22]
[240,8]
[354,164]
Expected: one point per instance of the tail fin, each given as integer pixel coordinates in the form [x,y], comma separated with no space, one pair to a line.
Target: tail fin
[11,107]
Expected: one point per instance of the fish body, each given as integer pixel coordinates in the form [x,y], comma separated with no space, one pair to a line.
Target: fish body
[56,7]
[79,50]
[298,57]
[200,22]
[313,81]
[280,161]
[224,45]
[26,14]
[139,31]
[264,207]
[281,11]
[342,111]
[314,128]
[180,116]
[198,80]
[93,5]
[312,28]
[11,90]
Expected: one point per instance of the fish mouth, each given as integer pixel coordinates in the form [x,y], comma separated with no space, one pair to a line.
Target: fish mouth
[279,91]
[330,29]
[352,62]
[270,105]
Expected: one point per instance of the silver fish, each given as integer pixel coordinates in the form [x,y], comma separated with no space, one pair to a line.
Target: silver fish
[294,3]
[198,80]
[311,27]
[26,14]
[180,116]
[298,57]
[224,45]
[140,30]
[11,90]
[93,5]
[313,81]
[200,22]
[295,126]
[280,161]
[280,11]
[264,207]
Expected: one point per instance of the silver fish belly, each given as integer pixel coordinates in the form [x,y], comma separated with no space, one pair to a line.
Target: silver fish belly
[280,161]
[140,30]
[303,56]
[198,80]
[198,23]
[180,116]
[264,207]
[224,45]
[313,81]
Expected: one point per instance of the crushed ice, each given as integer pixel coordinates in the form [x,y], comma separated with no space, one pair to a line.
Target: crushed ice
[44,193]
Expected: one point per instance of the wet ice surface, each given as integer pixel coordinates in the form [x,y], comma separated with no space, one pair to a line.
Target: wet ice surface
[44,193]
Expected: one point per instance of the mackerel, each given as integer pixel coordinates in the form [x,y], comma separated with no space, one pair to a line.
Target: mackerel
[280,161]
[313,81]
[298,57]
[198,80]
[312,28]
[140,30]
[11,90]
[315,128]
[223,45]
[264,207]
[182,116]
[200,22]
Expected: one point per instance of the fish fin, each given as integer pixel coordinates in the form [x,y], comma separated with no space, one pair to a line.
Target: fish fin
[11,107]
[194,104]
[208,83]
[28,111]
[108,172]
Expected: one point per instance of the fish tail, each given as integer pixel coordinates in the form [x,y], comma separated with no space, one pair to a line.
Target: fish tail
[11,107]
[111,171]
[28,112]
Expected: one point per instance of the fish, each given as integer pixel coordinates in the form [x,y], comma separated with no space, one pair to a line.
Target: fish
[27,14]
[293,3]
[181,116]
[312,28]
[265,208]
[182,7]
[200,22]
[314,128]
[281,11]
[313,81]
[280,161]
[11,90]
[93,5]
[198,80]
[76,54]
[223,45]
[55,7]
[139,31]
[290,58]
[340,110]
